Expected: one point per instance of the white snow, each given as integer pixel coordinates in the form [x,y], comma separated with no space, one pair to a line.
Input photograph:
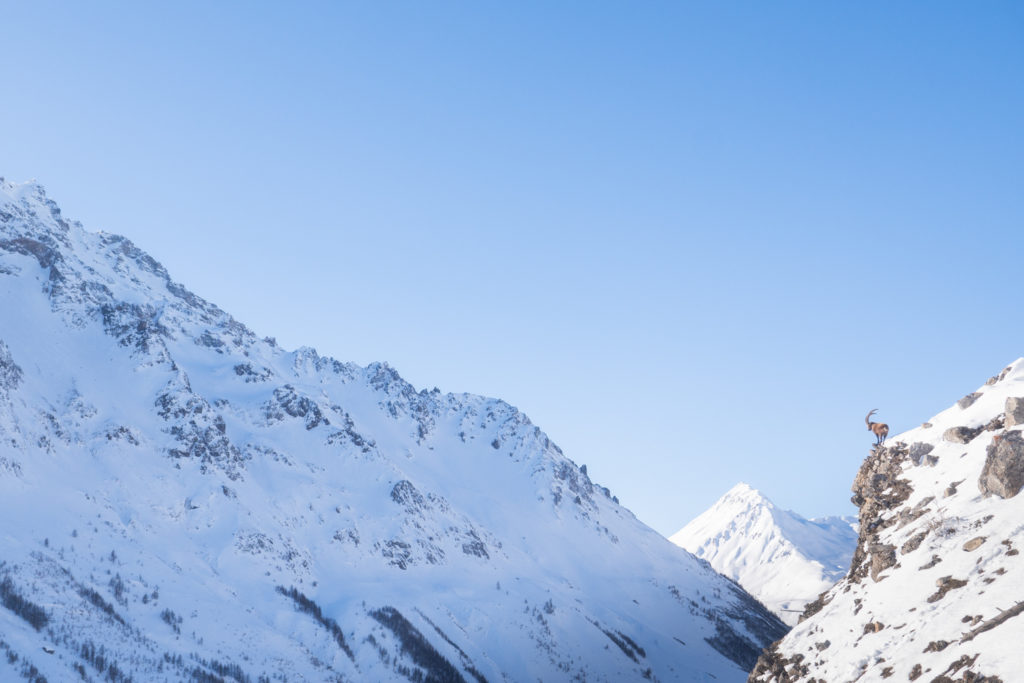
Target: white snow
[779,557]
[899,627]
[163,473]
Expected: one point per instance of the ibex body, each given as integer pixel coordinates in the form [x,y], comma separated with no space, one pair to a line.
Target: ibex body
[879,429]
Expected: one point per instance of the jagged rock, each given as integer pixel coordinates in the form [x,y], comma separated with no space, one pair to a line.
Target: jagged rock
[878,488]
[918,450]
[1003,473]
[995,424]
[913,543]
[1014,410]
[873,627]
[287,400]
[908,515]
[883,556]
[134,325]
[406,495]
[968,400]
[998,378]
[10,373]
[961,434]
[945,584]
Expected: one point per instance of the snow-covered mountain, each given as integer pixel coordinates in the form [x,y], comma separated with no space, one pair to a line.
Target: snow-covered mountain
[934,588]
[181,500]
[780,558]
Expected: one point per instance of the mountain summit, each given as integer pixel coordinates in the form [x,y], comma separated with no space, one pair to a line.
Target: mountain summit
[782,559]
[184,501]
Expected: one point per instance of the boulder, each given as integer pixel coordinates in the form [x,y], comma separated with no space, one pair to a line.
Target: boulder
[960,434]
[918,450]
[974,544]
[968,400]
[883,556]
[999,377]
[1003,473]
[1014,410]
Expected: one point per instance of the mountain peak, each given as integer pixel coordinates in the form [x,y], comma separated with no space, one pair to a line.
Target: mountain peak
[303,518]
[778,556]
[746,492]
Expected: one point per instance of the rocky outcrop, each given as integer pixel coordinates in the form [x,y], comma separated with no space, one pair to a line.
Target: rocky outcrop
[968,400]
[1014,411]
[10,373]
[878,489]
[961,434]
[942,604]
[918,451]
[1003,474]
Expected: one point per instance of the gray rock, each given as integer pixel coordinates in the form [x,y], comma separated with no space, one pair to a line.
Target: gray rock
[918,450]
[998,378]
[960,434]
[946,584]
[995,424]
[1014,410]
[968,400]
[883,556]
[913,543]
[10,373]
[1003,473]
[974,543]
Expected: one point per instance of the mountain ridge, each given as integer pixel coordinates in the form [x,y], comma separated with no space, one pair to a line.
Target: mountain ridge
[218,507]
[933,588]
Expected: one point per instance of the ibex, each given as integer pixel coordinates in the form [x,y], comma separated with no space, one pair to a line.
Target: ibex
[879,429]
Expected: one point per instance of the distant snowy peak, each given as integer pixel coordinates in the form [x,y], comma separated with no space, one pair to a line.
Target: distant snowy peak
[778,556]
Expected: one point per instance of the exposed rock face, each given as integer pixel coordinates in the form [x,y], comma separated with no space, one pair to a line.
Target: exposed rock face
[961,434]
[968,400]
[10,373]
[943,602]
[877,489]
[1014,410]
[918,450]
[1003,474]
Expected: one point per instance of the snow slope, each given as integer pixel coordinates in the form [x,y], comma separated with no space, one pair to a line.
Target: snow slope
[780,558]
[934,588]
[184,501]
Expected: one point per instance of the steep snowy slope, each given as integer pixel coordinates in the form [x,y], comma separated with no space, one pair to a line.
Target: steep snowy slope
[934,589]
[183,501]
[780,558]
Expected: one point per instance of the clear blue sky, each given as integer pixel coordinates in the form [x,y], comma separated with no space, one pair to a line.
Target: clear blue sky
[695,242]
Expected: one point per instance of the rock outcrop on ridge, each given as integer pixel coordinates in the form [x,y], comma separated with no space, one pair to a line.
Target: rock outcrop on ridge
[933,593]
